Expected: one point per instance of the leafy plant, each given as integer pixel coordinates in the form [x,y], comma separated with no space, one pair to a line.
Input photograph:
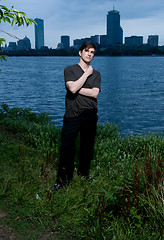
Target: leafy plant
[13,17]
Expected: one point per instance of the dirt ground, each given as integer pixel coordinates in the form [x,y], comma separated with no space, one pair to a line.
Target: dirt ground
[6,232]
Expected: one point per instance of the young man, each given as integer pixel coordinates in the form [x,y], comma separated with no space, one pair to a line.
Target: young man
[83,86]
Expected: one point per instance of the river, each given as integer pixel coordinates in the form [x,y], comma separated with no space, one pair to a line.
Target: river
[132,89]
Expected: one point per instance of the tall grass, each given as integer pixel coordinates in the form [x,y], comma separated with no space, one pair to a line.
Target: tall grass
[124,200]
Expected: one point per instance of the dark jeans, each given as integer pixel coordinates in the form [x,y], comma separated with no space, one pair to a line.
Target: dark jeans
[86,124]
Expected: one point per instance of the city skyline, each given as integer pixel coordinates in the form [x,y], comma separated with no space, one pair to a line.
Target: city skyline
[80,20]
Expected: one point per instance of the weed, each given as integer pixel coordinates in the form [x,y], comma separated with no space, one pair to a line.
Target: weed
[125,200]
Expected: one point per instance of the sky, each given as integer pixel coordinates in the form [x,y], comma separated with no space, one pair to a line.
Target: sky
[86,18]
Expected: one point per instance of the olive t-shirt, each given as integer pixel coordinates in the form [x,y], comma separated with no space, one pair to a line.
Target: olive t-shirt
[77,103]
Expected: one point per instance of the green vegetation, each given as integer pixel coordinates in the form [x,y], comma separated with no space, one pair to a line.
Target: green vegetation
[125,199]
[12,17]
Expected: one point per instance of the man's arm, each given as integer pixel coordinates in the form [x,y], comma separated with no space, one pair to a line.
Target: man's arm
[90,92]
[75,86]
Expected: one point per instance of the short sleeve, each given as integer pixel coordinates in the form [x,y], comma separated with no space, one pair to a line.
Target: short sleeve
[69,74]
[97,81]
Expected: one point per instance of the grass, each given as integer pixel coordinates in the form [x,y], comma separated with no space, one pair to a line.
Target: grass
[125,200]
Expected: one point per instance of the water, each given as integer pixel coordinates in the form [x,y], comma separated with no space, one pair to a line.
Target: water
[132,92]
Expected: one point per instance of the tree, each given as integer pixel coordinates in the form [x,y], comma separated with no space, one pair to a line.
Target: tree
[13,17]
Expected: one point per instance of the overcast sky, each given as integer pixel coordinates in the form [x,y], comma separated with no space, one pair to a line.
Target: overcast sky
[84,18]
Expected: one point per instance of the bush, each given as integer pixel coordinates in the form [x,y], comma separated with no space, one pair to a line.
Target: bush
[23,114]
[34,128]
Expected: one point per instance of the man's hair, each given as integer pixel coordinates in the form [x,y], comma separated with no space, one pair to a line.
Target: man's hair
[87,45]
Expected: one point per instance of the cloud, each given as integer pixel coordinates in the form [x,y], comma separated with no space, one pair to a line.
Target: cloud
[141,8]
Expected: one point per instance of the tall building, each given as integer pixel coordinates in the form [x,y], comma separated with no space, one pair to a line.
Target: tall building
[39,33]
[114,30]
[65,40]
[153,40]
[134,41]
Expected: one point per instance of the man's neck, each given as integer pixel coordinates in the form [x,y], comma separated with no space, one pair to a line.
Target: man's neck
[83,65]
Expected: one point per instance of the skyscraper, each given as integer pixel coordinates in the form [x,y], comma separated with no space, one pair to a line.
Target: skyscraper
[39,33]
[65,40]
[114,30]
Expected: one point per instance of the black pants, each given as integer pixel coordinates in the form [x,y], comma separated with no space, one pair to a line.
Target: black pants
[86,124]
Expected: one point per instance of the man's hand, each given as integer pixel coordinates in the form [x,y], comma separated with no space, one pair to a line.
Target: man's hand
[89,71]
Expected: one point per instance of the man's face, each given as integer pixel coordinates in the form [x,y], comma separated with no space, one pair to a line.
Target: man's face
[87,54]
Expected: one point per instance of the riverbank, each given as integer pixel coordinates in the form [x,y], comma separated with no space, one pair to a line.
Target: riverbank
[123,201]
[121,50]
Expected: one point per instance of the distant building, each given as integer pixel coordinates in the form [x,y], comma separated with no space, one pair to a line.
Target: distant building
[39,33]
[134,41]
[44,48]
[65,40]
[95,39]
[12,46]
[87,39]
[60,46]
[5,48]
[153,40]
[103,41]
[78,42]
[114,30]
[24,44]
